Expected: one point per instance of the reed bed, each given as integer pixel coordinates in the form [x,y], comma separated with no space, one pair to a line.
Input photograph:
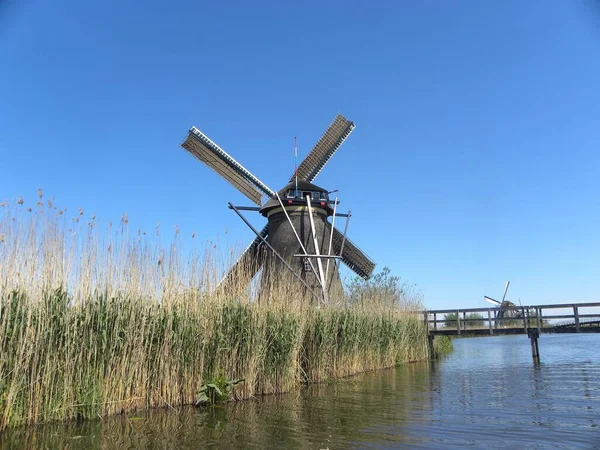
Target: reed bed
[96,320]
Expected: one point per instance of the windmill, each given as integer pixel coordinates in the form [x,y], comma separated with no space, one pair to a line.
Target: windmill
[298,235]
[504,307]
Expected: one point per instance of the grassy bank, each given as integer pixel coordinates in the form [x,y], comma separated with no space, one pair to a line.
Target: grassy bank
[94,323]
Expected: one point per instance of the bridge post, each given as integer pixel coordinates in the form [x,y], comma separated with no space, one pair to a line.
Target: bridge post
[535,351]
[458,322]
[538,314]
[576,314]
[490,321]
[431,348]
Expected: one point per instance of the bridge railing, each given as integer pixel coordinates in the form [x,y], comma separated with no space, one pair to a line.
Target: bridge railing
[523,318]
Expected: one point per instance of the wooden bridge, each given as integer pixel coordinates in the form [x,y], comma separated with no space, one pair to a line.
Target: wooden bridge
[530,320]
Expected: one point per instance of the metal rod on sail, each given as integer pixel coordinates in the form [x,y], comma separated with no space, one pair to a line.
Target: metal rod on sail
[316,243]
[320,256]
[296,164]
[330,239]
[345,231]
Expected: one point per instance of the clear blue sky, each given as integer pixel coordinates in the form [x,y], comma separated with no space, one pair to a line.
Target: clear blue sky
[475,159]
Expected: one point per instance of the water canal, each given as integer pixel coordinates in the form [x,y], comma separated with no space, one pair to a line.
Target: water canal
[487,394]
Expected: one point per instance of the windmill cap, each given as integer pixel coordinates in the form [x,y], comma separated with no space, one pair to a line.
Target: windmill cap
[303,186]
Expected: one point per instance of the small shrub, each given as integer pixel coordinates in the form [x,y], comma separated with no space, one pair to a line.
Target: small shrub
[216,392]
[442,345]
[475,320]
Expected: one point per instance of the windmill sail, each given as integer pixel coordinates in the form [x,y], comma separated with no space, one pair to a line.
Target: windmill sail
[249,262]
[505,290]
[200,145]
[324,149]
[491,300]
[352,256]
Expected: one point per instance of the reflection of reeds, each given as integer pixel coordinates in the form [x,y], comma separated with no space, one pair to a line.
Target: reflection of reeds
[334,413]
[94,323]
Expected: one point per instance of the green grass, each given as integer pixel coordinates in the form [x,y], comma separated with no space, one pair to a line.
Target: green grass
[111,354]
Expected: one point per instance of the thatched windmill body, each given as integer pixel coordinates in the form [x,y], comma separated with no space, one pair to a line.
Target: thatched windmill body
[298,237]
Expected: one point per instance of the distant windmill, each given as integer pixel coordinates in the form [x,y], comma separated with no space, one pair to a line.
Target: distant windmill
[504,307]
[298,235]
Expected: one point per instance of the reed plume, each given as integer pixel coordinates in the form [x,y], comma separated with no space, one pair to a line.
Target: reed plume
[98,320]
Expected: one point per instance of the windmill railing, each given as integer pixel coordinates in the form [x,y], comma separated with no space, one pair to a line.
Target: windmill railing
[574,318]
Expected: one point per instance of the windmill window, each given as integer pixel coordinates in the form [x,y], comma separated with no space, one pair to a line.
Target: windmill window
[306,264]
[315,195]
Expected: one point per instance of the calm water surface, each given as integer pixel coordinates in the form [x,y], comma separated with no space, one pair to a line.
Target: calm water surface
[487,394]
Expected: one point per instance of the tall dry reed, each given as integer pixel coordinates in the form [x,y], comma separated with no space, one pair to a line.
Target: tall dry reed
[96,321]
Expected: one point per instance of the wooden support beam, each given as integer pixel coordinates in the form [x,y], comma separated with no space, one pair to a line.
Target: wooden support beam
[535,351]
[430,338]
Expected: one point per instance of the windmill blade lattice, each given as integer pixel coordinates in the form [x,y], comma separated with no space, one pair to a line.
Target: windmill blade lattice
[324,149]
[249,262]
[352,256]
[200,145]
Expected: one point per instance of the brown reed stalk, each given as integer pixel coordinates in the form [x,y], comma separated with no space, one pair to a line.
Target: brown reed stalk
[97,320]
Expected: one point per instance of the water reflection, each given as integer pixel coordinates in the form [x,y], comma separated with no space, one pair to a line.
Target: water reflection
[487,394]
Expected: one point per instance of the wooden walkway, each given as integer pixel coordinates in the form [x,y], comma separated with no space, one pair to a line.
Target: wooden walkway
[531,320]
